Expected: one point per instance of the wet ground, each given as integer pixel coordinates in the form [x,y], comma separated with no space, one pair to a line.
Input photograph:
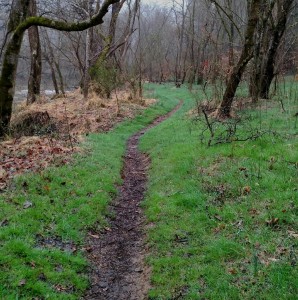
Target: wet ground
[117,256]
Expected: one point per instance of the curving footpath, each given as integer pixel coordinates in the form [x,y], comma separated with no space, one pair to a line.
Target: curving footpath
[119,270]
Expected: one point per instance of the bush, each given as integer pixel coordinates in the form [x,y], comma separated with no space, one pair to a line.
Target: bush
[32,123]
[105,78]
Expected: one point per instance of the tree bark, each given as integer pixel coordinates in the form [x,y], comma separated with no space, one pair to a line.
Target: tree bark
[224,110]
[53,74]
[19,22]
[60,77]
[284,8]
[35,49]
[19,12]
[87,65]
[270,33]
[54,66]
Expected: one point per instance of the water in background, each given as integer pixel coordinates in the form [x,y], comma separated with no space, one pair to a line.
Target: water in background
[21,94]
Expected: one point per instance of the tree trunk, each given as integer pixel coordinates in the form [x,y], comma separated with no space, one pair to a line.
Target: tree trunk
[87,55]
[224,110]
[60,77]
[87,65]
[53,74]
[18,23]
[284,8]
[35,70]
[50,58]
[262,38]
[19,12]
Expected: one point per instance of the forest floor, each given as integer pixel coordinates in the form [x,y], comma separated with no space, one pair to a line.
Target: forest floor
[220,209]
[48,132]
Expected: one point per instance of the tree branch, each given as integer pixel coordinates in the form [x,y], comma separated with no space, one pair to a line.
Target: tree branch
[64,26]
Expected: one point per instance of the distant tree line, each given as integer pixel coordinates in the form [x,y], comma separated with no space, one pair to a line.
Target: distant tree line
[190,42]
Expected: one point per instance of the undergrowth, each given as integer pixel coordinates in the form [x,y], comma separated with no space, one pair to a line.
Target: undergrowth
[223,219]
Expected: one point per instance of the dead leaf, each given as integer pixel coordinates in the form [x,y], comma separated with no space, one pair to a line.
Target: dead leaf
[219,228]
[138,270]
[272,222]
[56,150]
[74,249]
[47,188]
[273,259]
[87,249]
[238,223]
[233,271]
[22,282]
[218,217]
[27,204]
[3,173]
[293,234]
[246,190]
[254,212]
[60,288]
[3,185]
[96,236]
[282,251]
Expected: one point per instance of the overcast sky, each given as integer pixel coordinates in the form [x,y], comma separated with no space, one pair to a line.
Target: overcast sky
[159,2]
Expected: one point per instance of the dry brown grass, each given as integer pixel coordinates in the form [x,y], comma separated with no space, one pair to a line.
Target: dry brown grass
[74,115]
[71,117]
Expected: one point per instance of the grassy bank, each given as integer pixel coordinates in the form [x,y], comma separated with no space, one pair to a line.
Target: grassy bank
[223,219]
[45,217]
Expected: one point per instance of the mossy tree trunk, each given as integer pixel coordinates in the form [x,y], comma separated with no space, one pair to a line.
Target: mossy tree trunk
[19,12]
[224,110]
[19,22]
[35,49]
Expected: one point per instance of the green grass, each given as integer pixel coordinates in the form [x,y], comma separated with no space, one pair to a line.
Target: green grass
[41,246]
[223,219]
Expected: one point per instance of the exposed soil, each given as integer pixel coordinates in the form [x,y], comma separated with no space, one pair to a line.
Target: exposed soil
[117,255]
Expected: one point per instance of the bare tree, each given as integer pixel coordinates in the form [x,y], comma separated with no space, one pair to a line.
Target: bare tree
[35,49]
[224,110]
[278,27]
[19,22]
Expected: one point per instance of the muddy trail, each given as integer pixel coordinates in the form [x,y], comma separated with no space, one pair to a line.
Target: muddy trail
[117,255]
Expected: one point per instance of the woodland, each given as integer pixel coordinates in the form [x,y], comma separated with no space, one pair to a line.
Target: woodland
[148,149]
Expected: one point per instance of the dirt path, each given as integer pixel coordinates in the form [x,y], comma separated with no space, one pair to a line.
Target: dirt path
[119,271]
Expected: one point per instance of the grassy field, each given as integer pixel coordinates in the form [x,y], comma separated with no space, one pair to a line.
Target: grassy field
[45,217]
[223,219]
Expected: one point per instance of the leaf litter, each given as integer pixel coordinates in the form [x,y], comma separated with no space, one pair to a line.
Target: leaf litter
[73,118]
